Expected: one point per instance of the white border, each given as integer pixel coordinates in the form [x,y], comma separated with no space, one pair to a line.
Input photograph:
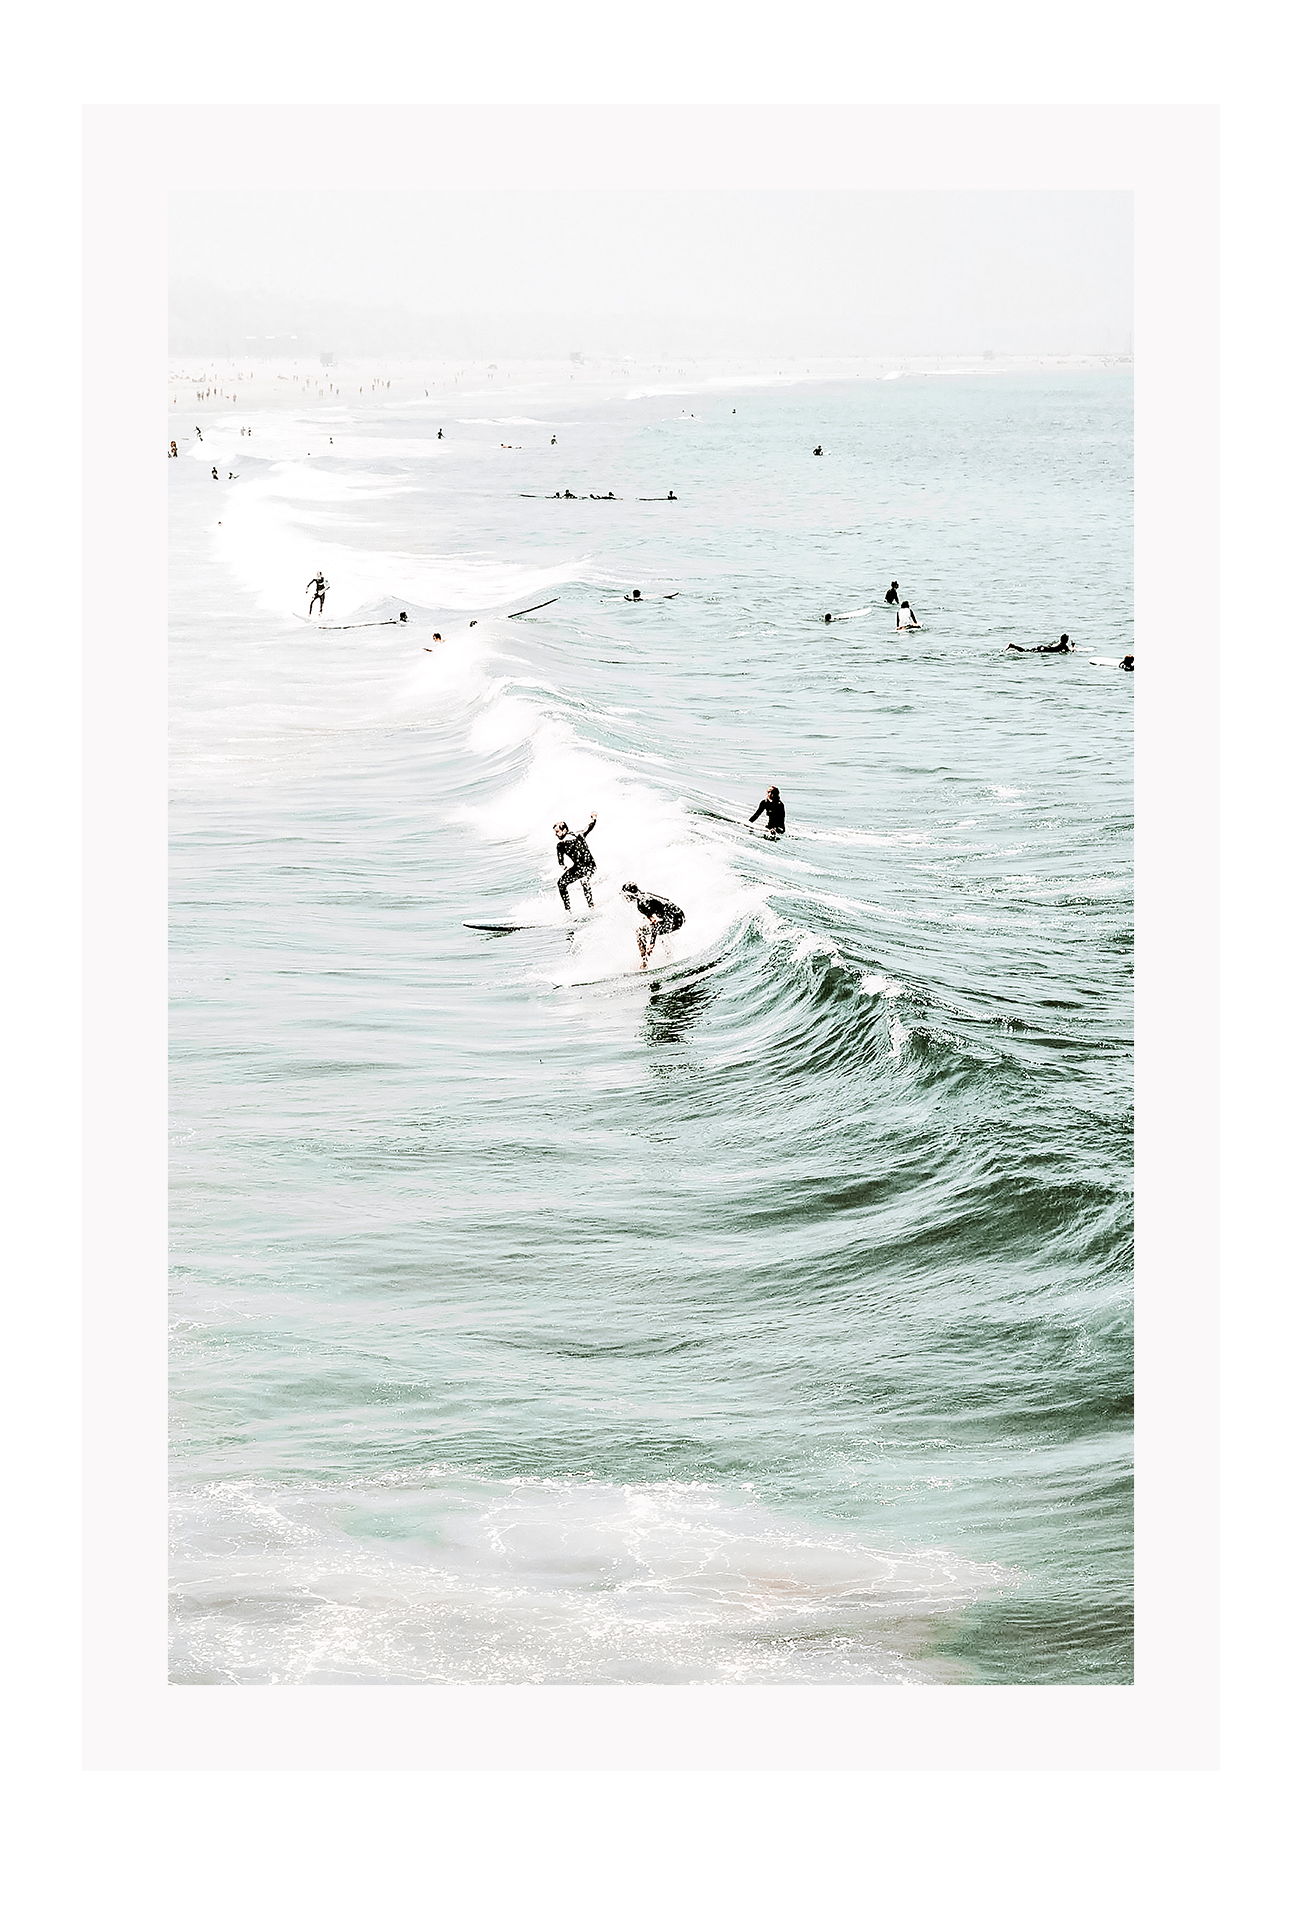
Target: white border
[133,158]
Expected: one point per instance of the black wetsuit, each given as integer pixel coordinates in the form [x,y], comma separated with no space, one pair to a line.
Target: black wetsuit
[1043,648]
[775,811]
[1127,664]
[670,918]
[891,596]
[574,847]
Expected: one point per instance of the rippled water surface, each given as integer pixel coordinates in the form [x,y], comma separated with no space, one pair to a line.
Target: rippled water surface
[764,1317]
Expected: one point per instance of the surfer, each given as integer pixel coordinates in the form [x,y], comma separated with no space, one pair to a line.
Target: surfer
[818,451]
[574,848]
[905,621]
[1127,664]
[891,596]
[634,597]
[828,617]
[1064,647]
[774,807]
[214,473]
[173,452]
[660,916]
[316,590]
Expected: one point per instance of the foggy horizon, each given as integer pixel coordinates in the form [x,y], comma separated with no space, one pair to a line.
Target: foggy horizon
[622,274]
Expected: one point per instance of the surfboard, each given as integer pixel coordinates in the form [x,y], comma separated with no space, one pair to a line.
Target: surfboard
[529,926]
[389,621]
[1106,661]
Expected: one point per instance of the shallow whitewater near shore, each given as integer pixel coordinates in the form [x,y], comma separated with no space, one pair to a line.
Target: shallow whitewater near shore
[766,1317]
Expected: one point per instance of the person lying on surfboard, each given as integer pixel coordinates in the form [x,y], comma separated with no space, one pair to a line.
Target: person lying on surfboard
[1064,647]
[660,916]
[573,847]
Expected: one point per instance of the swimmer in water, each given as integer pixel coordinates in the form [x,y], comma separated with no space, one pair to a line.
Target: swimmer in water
[774,807]
[316,590]
[1064,647]
[904,618]
[574,848]
[659,915]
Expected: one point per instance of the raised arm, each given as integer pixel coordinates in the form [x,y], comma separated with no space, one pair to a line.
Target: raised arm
[587,829]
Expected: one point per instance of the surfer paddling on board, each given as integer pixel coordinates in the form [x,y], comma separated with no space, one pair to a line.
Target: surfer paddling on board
[659,916]
[1127,664]
[1064,647]
[574,848]
[774,807]
[316,590]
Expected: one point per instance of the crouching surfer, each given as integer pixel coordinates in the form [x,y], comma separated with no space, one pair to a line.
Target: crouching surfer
[659,916]
[574,848]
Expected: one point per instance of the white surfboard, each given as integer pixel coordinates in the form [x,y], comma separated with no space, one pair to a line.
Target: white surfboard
[530,926]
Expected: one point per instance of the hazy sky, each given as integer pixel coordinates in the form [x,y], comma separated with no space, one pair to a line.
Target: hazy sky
[624,272]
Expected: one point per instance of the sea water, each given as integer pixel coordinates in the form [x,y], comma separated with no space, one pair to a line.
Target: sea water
[763,1317]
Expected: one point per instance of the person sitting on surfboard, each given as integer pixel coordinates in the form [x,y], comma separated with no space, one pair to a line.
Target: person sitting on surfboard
[774,807]
[574,847]
[891,596]
[904,617]
[659,915]
[1063,647]
[316,590]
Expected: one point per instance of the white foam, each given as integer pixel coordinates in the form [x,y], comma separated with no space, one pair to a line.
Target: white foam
[545,1579]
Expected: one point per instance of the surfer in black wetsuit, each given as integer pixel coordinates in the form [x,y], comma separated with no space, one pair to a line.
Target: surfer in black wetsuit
[891,596]
[1063,647]
[774,807]
[316,590]
[634,597]
[1127,664]
[660,916]
[574,848]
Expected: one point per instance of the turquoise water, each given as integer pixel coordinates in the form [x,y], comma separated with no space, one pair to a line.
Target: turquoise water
[765,1317]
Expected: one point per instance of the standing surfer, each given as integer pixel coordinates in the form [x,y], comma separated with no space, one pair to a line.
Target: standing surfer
[574,848]
[774,807]
[659,915]
[316,590]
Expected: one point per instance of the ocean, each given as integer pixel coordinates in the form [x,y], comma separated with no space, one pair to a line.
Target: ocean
[761,1317]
